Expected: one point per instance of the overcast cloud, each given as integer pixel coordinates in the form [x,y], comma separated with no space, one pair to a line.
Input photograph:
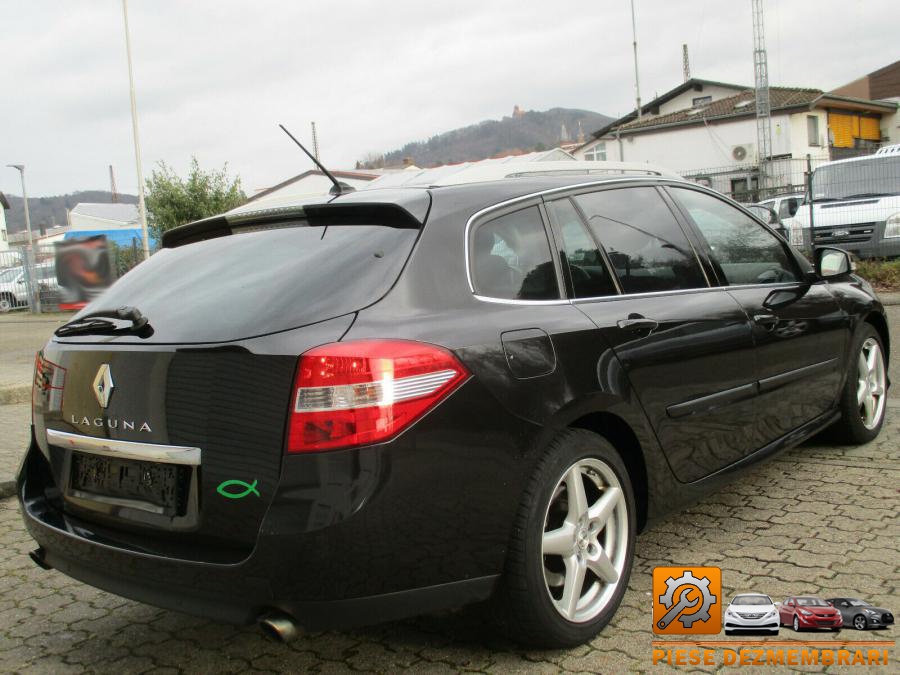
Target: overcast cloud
[214,77]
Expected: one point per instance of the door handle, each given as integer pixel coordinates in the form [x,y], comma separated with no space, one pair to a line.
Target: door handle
[637,323]
[765,319]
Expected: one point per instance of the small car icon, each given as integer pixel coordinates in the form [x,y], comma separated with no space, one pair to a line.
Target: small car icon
[807,611]
[861,615]
[753,612]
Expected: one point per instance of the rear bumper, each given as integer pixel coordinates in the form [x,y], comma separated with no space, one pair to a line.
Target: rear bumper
[335,549]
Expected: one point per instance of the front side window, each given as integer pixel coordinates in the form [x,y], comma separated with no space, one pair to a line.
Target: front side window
[645,244]
[745,251]
[590,277]
[511,258]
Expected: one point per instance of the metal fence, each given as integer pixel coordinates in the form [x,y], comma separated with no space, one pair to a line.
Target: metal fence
[63,275]
[853,204]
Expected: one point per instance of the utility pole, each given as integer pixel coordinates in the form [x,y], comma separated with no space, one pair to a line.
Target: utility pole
[685,63]
[315,140]
[637,84]
[114,198]
[763,106]
[28,259]
[142,211]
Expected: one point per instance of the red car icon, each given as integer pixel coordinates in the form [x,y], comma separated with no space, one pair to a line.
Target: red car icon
[806,611]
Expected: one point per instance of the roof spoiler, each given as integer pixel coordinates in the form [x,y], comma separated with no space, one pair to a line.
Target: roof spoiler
[359,213]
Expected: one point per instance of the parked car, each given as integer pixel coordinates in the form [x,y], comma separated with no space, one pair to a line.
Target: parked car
[802,612]
[861,615]
[768,215]
[856,205]
[14,289]
[785,206]
[751,611]
[371,405]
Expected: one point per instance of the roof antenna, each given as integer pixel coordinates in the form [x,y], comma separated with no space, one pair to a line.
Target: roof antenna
[338,188]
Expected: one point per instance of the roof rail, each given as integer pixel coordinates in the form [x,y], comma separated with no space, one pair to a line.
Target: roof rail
[477,173]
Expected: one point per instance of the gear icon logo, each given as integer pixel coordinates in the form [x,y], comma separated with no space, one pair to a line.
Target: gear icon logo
[687,600]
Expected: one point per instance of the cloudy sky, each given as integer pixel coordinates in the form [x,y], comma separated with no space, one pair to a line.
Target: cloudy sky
[214,77]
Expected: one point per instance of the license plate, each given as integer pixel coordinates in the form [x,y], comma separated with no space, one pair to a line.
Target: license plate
[161,487]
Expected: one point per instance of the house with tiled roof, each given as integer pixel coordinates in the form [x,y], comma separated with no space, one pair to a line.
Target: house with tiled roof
[706,130]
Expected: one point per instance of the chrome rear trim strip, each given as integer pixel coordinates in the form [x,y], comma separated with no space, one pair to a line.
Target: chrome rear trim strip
[147,452]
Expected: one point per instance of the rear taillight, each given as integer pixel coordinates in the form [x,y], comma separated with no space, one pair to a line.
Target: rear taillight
[49,382]
[358,393]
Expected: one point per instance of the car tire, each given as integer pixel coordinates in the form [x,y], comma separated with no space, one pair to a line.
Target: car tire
[6,303]
[835,630]
[859,622]
[853,427]
[796,624]
[729,632]
[561,591]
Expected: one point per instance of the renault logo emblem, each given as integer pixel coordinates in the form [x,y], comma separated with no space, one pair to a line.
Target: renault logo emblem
[103,385]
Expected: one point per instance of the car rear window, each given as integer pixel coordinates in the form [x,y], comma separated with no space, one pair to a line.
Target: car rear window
[260,282]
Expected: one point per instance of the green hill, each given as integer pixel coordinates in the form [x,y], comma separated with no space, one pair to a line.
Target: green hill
[524,131]
[49,211]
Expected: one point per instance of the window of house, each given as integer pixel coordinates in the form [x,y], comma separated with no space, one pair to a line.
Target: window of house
[587,269]
[596,153]
[745,251]
[647,248]
[812,129]
[701,100]
[511,258]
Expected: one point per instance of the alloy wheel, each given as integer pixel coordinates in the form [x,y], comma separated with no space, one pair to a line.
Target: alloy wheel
[870,387]
[796,624]
[5,305]
[859,623]
[585,540]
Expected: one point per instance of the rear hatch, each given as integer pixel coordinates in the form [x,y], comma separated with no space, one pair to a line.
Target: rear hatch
[170,439]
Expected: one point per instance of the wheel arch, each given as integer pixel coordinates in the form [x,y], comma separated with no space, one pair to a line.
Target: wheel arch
[877,320]
[618,432]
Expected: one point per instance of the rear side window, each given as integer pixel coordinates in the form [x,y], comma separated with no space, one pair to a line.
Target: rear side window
[745,251]
[645,244]
[511,258]
[588,271]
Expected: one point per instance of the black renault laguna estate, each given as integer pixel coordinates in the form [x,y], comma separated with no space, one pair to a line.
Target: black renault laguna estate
[394,401]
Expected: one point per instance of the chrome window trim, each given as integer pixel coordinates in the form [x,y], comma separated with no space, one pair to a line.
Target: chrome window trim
[683,291]
[108,447]
[533,195]
[508,301]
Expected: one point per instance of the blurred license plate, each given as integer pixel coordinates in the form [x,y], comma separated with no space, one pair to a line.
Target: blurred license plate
[160,485]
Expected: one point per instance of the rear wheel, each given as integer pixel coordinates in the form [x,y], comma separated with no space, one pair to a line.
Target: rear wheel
[864,399]
[572,546]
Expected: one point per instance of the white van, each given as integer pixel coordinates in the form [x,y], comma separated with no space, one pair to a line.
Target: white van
[856,205]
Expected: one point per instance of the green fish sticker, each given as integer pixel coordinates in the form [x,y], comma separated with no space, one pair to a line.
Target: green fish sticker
[249,488]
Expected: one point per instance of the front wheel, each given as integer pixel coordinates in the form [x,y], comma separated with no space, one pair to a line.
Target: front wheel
[864,398]
[859,622]
[572,546]
[796,625]
[6,303]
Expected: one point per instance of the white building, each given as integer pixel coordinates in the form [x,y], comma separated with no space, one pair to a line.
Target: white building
[4,236]
[89,217]
[707,131]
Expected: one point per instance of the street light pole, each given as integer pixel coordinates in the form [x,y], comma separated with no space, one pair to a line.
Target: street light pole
[28,259]
[142,211]
[21,168]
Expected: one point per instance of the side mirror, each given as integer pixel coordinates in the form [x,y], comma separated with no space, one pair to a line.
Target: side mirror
[833,262]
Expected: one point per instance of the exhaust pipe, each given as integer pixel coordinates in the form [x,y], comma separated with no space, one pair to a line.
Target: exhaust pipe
[37,557]
[280,627]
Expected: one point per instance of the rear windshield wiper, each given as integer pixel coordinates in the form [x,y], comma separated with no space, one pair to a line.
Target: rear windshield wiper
[99,323]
